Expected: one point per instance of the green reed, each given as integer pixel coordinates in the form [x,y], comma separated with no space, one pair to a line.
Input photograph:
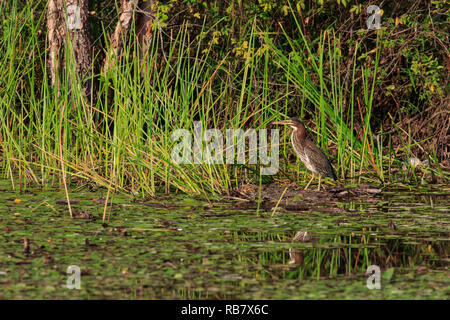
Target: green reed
[119,136]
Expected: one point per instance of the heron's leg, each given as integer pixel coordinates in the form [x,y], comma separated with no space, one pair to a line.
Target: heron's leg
[318,188]
[309,182]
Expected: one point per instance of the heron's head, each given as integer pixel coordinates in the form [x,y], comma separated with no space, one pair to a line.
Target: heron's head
[293,122]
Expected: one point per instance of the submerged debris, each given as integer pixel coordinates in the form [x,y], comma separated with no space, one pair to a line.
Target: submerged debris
[294,198]
[84,214]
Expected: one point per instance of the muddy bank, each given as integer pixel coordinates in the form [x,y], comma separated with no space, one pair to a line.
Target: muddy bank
[294,197]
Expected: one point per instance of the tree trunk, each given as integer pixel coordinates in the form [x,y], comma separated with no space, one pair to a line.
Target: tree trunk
[55,34]
[80,40]
[144,26]
[120,34]
[69,18]
[144,22]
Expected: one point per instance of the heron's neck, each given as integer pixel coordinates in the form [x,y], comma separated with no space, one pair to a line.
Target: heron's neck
[299,133]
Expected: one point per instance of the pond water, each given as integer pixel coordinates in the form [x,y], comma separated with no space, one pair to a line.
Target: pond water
[176,247]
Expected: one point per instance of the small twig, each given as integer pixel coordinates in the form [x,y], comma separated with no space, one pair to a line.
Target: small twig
[236,198]
[26,244]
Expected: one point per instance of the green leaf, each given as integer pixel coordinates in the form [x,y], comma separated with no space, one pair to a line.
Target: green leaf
[388,274]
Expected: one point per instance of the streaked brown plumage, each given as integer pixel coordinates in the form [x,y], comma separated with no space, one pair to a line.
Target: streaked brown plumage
[311,156]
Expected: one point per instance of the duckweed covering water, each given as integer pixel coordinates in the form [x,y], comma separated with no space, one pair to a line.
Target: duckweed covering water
[181,248]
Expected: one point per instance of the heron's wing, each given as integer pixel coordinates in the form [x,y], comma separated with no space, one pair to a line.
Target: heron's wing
[322,163]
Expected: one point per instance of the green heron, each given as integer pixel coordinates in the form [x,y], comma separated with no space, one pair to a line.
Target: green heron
[313,158]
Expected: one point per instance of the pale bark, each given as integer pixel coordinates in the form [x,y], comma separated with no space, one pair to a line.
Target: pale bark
[144,23]
[80,40]
[120,33]
[55,35]
[144,32]
[68,18]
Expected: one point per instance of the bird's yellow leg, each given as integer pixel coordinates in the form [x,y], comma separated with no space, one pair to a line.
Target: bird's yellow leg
[318,188]
[309,182]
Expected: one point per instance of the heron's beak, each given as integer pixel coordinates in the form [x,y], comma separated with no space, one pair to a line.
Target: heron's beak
[283,122]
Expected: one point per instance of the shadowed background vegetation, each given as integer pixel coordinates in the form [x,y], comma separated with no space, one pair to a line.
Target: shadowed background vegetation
[375,101]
